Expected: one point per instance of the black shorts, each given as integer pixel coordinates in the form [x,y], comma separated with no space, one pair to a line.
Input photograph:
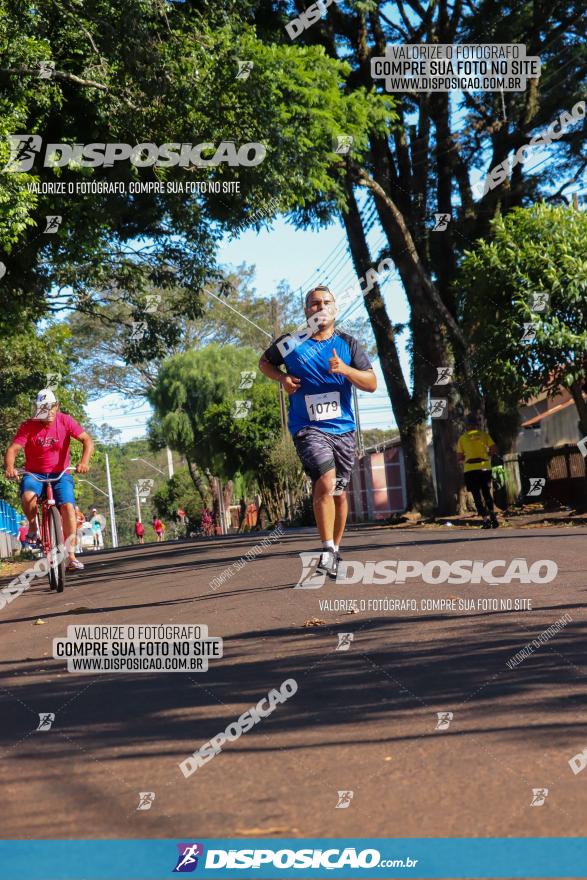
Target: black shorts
[477,479]
[320,451]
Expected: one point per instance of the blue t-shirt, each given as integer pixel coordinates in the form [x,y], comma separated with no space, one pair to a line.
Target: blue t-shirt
[332,411]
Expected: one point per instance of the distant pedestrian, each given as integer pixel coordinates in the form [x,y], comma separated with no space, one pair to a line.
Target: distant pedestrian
[159,528]
[96,524]
[140,531]
[475,448]
[23,531]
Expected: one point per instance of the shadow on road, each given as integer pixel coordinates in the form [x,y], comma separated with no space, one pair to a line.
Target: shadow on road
[382,678]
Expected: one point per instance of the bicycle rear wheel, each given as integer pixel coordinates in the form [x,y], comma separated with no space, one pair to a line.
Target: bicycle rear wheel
[52,579]
[56,567]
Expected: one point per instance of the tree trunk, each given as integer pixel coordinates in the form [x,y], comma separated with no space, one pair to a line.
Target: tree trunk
[450,487]
[409,412]
[446,430]
[431,347]
[228,493]
[420,487]
[197,479]
[576,390]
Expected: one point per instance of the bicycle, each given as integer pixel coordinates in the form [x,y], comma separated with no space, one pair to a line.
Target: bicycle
[50,529]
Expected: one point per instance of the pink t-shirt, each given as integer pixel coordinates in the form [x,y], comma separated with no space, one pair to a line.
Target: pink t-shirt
[46,447]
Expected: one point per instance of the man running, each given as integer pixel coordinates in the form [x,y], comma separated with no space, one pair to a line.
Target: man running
[475,448]
[322,365]
[45,440]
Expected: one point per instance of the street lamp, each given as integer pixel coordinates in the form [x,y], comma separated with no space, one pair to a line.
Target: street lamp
[138,502]
[141,494]
[108,495]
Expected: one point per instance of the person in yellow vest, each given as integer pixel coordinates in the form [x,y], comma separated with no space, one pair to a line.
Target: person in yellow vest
[474,449]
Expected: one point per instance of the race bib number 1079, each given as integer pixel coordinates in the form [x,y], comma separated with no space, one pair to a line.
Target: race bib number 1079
[323,406]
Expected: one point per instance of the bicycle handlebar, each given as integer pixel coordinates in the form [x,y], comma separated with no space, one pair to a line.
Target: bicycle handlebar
[22,472]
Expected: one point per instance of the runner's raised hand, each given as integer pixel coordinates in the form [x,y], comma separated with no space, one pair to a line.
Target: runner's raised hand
[336,365]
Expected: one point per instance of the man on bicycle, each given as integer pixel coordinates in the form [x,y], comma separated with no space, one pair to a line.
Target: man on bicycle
[45,440]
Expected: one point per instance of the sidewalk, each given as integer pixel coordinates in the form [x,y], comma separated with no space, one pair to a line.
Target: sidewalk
[528,516]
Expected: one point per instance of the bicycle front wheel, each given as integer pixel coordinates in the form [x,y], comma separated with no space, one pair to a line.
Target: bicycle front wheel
[56,567]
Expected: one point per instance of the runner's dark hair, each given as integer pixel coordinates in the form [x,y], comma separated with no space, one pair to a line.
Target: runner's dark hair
[314,289]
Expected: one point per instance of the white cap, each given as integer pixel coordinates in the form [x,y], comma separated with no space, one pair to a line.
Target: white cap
[44,400]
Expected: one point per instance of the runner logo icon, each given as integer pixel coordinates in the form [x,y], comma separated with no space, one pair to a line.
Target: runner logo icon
[23,149]
[309,578]
[344,800]
[46,720]
[444,719]
[539,795]
[146,799]
[187,860]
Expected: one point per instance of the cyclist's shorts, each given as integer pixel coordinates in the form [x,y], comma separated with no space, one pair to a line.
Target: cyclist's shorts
[62,489]
[320,451]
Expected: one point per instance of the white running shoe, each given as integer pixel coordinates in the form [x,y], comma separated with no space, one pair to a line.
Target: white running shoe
[328,563]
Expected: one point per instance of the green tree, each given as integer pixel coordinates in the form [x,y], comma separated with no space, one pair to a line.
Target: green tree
[179,492]
[533,252]
[204,410]
[187,384]
[256,444]
[134,72]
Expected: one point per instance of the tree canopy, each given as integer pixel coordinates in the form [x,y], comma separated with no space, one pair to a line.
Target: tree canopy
[525,306]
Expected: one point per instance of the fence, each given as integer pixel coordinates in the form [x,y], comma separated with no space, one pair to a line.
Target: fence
[565,473]
[9,523]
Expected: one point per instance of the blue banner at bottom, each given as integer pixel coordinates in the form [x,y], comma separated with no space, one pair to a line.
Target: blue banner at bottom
[528,857]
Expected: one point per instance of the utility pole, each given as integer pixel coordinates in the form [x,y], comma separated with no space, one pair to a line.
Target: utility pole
[221,505]
[111,504]
[169,462]
[282,403]
[138,501]
[360,448]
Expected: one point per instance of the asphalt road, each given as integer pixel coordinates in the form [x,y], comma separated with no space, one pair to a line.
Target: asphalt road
[363,719]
